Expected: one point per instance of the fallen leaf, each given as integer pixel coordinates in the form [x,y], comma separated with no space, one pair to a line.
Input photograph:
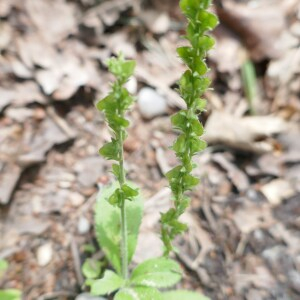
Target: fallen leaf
[238,177]
[252,217]
[277,190]
[247,133]
[54,19]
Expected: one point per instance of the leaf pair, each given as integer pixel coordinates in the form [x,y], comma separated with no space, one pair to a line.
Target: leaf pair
[124,193]
[143,293]
[146,278]
[108,223]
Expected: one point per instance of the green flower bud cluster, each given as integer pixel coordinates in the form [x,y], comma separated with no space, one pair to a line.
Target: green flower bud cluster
[115,106]
[192,86]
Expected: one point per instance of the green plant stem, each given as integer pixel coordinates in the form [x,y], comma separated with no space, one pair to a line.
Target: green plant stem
[122,179]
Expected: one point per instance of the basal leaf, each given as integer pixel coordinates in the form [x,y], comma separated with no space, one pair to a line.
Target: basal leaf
[138,293]
[10,294]
[156,272]
[108,284]
[107,219]
[183,295]
[91,268]
[3,265]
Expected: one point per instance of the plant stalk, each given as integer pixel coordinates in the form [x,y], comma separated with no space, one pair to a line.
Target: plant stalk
[124,242]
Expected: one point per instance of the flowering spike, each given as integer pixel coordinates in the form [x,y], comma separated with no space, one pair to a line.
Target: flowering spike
[192,85]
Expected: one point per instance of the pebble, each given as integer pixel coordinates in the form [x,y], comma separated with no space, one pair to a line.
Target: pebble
[83,226]
[87,296]
[151,104]
[132,85]
[156,22]
[44,254]
[76,199]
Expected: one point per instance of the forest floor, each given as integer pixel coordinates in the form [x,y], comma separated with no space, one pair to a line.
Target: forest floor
[243,241]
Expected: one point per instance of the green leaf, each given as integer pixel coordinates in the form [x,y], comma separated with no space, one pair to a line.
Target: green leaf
[138,293]
[189,181]
[129,192]
[10,294]
[179,120]
[3,265]
[156,272]
[91,268]
[205,43]
[107,219]
[180,144]
[110,150]
[108,284]
[201,84]
[115,198]
[116,122]
[107,104]
[186,54]
[116,170]
[207,20]
[199,66]
[200,104]
[183,295]
[196,126]
[197,145]
[89,248]
[121,68]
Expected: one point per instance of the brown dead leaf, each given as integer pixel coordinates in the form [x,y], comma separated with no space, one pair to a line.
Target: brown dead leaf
[5,7]
[256,274]
[34,50]
[6,33]
[228,53]
[237,176]
[19,69]
[198,234]
[26,93]
[252,217]
[6,97]
[9,177]
[277,190]
[259,26]
[247,133]
[48,134]
[149,242]
[53,19]
[109,11]
[156,21]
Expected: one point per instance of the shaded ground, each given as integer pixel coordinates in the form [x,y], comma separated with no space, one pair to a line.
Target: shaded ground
[244,240]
